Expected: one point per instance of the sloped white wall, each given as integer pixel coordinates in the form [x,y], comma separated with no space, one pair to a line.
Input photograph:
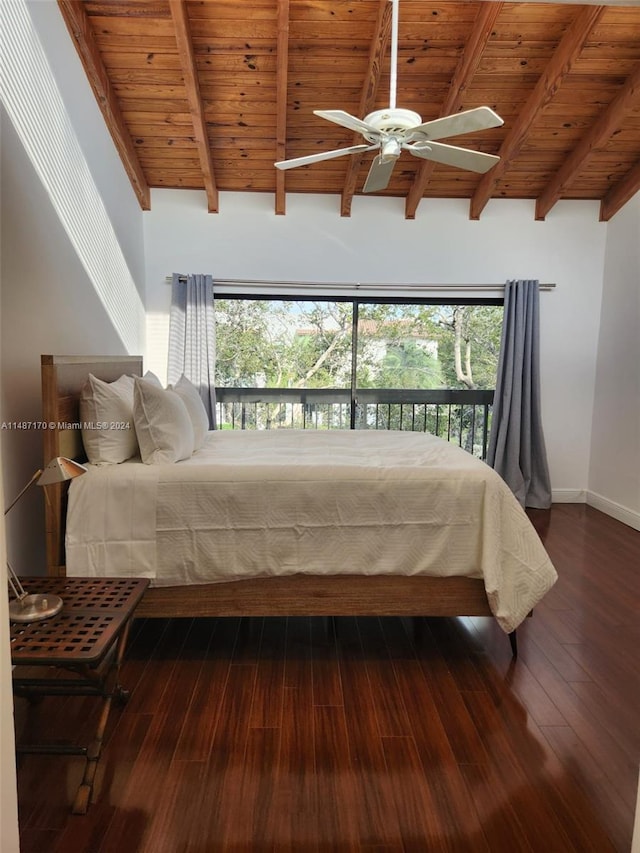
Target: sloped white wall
[376,244]
[614,481]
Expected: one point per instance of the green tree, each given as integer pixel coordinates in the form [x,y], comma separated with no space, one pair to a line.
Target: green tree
[468,338]
[408,365]
[320,353]
[250,342]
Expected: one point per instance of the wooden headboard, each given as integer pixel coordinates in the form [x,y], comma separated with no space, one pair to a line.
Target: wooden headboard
[62,379]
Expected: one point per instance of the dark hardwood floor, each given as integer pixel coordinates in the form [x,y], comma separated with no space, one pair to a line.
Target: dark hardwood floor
[368,734]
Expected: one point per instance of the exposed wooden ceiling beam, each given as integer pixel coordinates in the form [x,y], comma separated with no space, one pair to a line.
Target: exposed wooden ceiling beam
[77,21]
[281,101]
[377,52]
[600,131]
[463,75]
[620,194]
[565,55]
[188,63]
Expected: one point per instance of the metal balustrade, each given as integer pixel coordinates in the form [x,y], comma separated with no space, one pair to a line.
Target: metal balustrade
[459,416]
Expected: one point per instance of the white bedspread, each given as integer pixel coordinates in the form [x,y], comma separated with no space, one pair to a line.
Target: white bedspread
[323,502]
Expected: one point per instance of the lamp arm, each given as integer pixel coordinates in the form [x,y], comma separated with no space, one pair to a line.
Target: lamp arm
[35,606]
[15,583]
[30,483]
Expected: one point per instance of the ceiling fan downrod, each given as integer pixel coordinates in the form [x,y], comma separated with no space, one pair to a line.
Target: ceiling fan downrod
[393,81]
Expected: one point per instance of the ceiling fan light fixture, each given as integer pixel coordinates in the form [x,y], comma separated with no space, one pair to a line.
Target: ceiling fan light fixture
[390,149]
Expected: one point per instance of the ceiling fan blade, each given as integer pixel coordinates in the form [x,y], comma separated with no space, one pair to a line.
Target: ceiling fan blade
[324,155]
[379,174]
[480,118]
[451,155]
[346,120]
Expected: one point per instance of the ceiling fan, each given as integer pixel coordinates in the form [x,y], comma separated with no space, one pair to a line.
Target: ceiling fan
[391,130]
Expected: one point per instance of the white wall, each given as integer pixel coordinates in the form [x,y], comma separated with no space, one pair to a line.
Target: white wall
[614,480]
[94,138]
[376,244]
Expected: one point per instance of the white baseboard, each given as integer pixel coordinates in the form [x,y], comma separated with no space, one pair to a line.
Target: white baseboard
[615,510]
[569,496]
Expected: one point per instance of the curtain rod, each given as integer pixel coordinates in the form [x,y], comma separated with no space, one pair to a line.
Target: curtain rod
[355,285]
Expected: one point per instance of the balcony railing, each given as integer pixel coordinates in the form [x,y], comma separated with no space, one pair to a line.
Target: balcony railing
[463,417]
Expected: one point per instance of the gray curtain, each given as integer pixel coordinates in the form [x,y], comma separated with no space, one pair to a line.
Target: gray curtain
[516,444]
[192,341]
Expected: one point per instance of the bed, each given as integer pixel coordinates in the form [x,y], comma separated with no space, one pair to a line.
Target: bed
[469,529]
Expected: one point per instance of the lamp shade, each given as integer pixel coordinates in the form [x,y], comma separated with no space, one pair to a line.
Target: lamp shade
[60,469]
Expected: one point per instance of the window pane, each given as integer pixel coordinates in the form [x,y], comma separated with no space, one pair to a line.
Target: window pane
[428,346]
[283,344]
[295,354]
[397,347]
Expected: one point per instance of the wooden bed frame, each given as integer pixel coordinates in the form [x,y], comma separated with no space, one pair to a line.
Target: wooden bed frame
[298,595]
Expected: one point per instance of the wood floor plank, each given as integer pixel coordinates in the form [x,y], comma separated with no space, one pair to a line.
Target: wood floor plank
[201,717]
[143,788]
[296,805]
[176,824]
[325,670]
[622,767]
[500,825]
[37,840]
[464,737]
[159,667]
[268,696]
[219,803]
[378,824]
[387,706]
[509,743]
[521,682]
[417,808]
[556,648]
[298,672]
[257,789]
[573,810]
[458,646]
[462,822]
[613,815]
[337,822]
[613,666]
[616,716]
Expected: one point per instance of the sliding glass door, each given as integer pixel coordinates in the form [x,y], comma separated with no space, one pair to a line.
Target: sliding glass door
[359,364]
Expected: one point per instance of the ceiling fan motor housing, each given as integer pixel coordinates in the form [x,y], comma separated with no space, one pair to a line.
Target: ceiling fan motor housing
[394,121]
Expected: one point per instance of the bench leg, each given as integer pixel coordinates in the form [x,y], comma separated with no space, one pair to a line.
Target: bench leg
[112,690]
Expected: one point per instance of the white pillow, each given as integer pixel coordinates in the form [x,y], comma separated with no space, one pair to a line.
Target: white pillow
[151,377]
[106,417]
[189,395]
[162,423]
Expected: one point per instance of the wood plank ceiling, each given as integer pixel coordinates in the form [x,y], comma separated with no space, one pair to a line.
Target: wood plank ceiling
[207,94]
